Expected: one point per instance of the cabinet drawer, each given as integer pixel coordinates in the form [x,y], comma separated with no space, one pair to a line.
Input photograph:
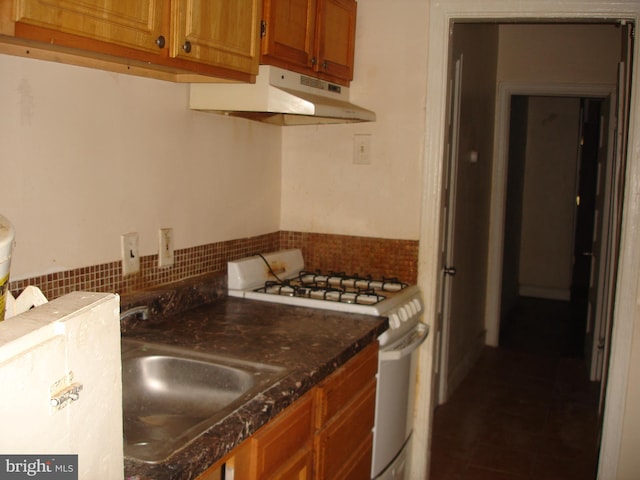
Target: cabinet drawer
[345,383]
[344,434]
[282,439]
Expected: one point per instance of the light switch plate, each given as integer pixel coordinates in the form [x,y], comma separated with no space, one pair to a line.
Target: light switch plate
[362,149]
[130,256]
[165,247]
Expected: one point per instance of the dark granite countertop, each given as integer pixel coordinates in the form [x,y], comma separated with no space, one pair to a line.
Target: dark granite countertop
[310,343]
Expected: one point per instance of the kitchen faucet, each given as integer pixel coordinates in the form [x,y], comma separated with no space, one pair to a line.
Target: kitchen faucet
[142,310]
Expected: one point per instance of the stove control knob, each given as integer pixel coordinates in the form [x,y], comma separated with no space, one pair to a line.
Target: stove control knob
[394,320]
[404,316]
[417,303]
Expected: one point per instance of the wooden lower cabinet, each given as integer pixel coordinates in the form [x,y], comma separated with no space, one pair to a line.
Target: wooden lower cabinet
[327,434]
[300,467]
[287,437]
[359,465]
[344,419]
[336,445]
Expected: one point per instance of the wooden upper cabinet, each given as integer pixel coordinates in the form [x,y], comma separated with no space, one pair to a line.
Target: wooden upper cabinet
[316,37]
[289,33]
[217,32]
[336,37]
[137,24]
[180,40]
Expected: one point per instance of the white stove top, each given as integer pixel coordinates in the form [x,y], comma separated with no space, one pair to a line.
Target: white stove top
[279,277]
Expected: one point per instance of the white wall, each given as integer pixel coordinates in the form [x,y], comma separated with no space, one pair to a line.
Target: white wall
[323,191]
[539,53]
[89,155]
[548,199]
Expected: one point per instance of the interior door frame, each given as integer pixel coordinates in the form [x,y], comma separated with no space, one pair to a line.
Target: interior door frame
[439,19]
[499,186]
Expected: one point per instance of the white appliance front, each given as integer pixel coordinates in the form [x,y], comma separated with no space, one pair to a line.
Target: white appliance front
[394,405]
[398,469]
[60,369]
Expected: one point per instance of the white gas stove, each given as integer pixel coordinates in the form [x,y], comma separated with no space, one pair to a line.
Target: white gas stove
[280,277]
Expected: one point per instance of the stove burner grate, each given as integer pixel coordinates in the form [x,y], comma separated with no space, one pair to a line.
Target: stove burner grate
[334,287]
[293,288]
[355,281]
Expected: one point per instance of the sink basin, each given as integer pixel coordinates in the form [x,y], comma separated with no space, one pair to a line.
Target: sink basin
[171,395]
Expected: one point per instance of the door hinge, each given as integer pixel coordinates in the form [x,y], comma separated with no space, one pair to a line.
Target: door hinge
[263,28]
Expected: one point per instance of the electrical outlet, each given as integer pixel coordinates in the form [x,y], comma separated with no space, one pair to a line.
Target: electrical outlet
[165,247]
[361,149]
[130,257]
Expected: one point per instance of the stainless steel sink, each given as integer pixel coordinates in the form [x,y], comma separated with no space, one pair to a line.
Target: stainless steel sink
[171,395]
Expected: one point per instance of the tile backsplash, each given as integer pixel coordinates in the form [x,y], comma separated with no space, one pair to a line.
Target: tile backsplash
[351,255]
[362,255]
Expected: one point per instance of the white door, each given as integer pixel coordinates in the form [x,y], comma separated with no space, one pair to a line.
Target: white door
[613,209]
[448,236]
[593,254]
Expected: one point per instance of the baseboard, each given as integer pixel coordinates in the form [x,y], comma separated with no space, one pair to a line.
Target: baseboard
[545,292]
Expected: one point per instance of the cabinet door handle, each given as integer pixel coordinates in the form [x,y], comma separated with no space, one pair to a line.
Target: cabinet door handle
[324,65]
[314,60]
[160,41]
[187,46]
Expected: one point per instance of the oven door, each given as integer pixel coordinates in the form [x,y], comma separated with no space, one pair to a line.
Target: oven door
[394,403]
[398,469]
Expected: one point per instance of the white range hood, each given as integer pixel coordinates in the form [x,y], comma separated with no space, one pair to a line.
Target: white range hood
[281,97]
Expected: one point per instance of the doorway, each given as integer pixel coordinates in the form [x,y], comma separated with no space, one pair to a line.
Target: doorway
[547,190]
[471,318]
[556,156]
[441,16]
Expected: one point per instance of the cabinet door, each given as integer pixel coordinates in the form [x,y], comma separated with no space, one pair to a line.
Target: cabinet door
[135,24]
[336,36]
[289,33]
[297,468]
[347,438]
[287,437]
[223,33]
[359,465]
[345,384]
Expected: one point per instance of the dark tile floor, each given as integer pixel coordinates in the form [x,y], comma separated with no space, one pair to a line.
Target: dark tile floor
[527,410]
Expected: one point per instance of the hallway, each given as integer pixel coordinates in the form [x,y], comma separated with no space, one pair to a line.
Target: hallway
[527,410]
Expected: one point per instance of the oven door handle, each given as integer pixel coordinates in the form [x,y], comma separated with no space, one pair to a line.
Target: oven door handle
[401,350]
